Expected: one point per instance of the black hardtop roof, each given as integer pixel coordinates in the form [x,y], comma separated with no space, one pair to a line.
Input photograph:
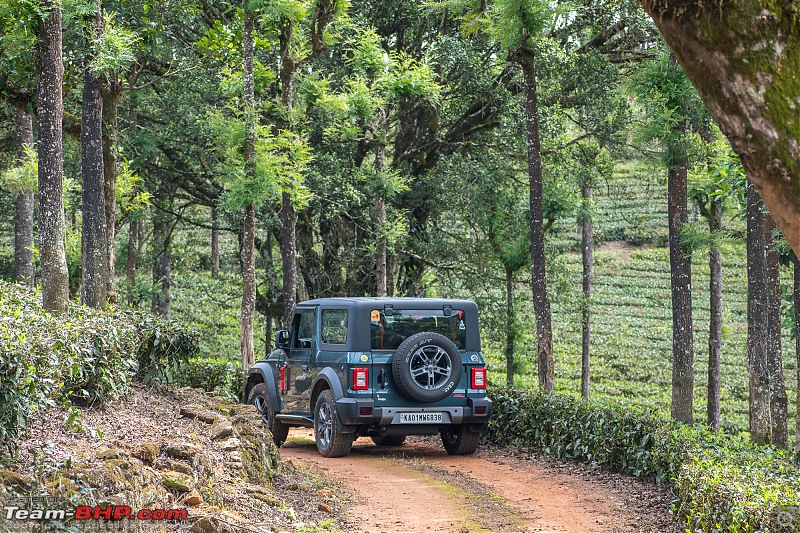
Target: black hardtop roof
[397,303]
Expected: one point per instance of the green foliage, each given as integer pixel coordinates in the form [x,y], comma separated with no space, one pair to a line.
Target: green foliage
[114,51]
[164,349]
[24,177]
[721,483]
[214,374]
[85,355]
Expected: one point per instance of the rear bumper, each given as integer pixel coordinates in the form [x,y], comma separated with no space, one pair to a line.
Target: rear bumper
[349,411]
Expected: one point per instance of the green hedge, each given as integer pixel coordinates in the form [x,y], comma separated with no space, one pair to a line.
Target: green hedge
[720,482]
[84,356]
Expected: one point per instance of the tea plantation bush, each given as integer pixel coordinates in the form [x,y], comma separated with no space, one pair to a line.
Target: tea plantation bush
[83,356]
[720,482]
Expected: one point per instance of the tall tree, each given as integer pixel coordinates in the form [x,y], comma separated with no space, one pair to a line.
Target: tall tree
[778,402]
[757,321]
[249,224]
[94,247]
[52,232]
[24,265]
[587,258]
[524,53]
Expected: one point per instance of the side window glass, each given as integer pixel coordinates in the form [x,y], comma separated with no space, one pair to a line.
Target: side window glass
[334,326]
[305,330]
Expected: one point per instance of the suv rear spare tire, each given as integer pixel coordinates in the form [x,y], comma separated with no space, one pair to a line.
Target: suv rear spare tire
[426,367]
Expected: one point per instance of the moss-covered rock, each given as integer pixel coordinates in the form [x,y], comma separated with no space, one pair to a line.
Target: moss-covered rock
[181,450]
[147,452]
[178,481]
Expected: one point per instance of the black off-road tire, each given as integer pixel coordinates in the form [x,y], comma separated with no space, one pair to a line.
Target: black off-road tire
[258,398]
[460,440]
[427,367]
[330,441]
[388,440]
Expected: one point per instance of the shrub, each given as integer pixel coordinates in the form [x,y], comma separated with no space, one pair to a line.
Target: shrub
[214,374]
[721,482]
[85,355]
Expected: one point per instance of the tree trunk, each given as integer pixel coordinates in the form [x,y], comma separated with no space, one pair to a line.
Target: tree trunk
[526,57]
[24,265]
[130,267]
[52,232]
[587,250]
[510,334]
[380,223]
[94,230]
[715,323]
[214,243]
[112,96]
[778,402]
[743,58]
[162,262]
[797,352]
[760,418]
[249,226]
[288,214]
[681,284]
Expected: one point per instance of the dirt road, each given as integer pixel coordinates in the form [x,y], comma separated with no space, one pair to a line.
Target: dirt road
[417,487]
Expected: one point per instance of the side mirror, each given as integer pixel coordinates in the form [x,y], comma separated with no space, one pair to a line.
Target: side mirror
[282,339]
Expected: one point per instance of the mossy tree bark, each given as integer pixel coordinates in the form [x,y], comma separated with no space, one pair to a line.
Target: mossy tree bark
[52,230]
[587,253]
[744,59]
[714,218]
[113,92]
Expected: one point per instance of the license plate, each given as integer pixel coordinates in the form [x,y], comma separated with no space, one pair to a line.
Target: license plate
[421,418]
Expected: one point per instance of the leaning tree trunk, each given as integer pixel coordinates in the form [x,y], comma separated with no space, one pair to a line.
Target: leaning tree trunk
[587,252]
[24,265]
[778,402]
[760,417]
[744,59]
[94,230]
[52,232]
[715,323]
[526,57]
[681,284]
[249,226]
[112,96]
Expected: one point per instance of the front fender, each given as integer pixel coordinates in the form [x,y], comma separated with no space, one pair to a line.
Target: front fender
[264,371]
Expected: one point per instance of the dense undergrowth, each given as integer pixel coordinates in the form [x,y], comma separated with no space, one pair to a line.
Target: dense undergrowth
[720,482]
[84,356]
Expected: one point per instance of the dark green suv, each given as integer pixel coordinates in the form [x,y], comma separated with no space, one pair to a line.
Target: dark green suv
[379,367]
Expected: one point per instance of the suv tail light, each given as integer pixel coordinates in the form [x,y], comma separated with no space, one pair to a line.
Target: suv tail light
[478,378]
[284,379]
[360,378]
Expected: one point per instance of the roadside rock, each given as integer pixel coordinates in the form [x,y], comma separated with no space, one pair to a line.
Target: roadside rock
[220,430]
[193,499]
[178,481]
[200,413]
[181,450]
[147,452]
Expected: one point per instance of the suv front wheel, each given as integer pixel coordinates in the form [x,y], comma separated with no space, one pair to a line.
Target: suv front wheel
[330,441]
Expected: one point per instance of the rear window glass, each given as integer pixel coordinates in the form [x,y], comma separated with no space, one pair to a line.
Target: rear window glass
[387,332]
[334,326]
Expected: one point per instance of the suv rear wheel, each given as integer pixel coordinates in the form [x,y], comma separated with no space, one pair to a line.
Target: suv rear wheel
[460,440]
[330,441]
[258,397]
